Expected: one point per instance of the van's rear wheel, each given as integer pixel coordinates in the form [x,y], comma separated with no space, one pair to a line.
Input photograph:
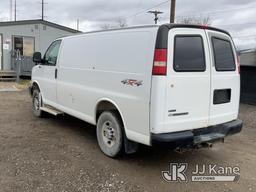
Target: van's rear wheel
[110,134]
[37,103]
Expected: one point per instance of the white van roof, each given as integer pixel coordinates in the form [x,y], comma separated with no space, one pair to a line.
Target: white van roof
[163,29]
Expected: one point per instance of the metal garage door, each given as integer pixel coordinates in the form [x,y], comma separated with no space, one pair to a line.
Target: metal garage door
[248,84]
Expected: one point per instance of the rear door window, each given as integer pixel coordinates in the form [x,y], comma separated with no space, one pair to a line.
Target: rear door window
[189,54]
[223,55]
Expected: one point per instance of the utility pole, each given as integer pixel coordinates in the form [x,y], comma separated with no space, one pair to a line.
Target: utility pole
[156,13]
[15,11]
[172,11]
[10,10]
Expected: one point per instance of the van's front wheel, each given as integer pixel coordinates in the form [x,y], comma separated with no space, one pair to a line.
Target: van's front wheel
[36,103]
[110,134]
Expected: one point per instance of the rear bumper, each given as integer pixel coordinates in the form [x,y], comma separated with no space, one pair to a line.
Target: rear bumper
[198,136]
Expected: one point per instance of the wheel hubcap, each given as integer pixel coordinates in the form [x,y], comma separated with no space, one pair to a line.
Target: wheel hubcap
[108,134]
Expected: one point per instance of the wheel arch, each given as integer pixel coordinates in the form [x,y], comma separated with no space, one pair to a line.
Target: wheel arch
[106,104]
[35,84]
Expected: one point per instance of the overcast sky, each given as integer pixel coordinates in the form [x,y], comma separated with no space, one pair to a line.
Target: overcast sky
[236,16]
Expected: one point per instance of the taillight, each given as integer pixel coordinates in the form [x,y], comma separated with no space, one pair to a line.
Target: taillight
[204,27]
[238,63]
[160,62]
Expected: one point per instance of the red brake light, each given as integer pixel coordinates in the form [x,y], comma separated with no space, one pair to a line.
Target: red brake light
[160,62]
[204,27]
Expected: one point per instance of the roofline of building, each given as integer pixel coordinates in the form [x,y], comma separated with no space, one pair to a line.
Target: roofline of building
[38,21]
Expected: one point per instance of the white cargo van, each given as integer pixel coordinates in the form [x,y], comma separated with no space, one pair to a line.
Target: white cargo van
[172,84]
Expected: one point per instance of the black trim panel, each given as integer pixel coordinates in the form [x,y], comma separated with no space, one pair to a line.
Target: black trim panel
[163,31]
[162,37]
[221,96]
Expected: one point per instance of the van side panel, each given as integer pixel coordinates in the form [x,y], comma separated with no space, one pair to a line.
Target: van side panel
[115,66]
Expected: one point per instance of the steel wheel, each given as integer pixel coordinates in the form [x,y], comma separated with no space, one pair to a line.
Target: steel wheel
[36,103]
[109,134]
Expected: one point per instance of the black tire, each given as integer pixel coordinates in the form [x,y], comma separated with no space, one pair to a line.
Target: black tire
[110,134]
[36,104]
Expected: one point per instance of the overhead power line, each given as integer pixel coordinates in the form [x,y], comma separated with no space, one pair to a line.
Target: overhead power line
[232,24]
[216,12]
[191,15]
[148,9]
[245,37]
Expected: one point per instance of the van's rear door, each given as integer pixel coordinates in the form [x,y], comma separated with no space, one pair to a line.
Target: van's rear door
[225,78]
[188,80]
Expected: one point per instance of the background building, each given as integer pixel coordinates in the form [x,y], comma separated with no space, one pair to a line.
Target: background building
[248,76]
[20,39]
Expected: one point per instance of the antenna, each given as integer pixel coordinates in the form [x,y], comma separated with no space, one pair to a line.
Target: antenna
[42,9]
[156,13]
[77,24]
[43,16]
[15,11]
[10,10]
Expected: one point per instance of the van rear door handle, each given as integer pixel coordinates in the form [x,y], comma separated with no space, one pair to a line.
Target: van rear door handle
[56,73]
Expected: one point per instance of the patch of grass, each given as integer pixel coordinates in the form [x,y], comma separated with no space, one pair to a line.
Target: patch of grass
[23,84]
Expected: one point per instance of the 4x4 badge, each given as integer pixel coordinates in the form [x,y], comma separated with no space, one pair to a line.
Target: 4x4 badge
[132,82]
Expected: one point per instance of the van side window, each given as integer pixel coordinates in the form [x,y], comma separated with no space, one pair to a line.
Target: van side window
[223,55]
[51,55]
[189,54]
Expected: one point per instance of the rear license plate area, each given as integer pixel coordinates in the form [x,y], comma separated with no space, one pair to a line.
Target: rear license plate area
[221,96]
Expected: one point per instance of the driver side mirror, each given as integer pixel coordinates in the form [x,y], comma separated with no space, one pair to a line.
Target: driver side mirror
[37,57]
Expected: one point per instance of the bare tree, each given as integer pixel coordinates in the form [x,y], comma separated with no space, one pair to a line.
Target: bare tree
[105,26]
[121,23]
[195,20]
[118,23]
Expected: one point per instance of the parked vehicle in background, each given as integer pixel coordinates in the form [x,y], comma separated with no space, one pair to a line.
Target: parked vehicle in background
[173,84]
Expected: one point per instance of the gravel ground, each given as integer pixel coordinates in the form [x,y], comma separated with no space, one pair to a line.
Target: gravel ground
[61,154]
